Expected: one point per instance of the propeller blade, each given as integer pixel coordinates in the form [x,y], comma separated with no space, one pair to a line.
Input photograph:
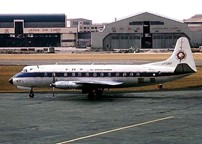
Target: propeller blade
[53,91]
[53,84]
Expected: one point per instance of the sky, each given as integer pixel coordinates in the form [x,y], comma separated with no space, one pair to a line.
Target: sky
[104,11]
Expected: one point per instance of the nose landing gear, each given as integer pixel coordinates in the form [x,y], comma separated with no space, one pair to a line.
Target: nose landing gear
[31,94]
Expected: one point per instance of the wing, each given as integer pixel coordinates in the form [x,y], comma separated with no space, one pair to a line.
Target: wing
[81,84]
[100,83]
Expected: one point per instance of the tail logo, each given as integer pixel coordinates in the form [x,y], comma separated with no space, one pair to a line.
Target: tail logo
[181,55]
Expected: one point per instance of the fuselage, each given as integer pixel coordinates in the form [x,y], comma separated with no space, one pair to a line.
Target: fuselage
[127,75]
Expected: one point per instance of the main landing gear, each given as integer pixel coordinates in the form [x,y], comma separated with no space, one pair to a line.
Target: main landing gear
[95,94]
[31,93]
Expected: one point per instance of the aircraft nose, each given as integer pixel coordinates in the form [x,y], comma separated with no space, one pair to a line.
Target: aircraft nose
[10,80]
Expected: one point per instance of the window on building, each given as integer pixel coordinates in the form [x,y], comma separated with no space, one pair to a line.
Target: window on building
[86,23]
[156,23]
[136,23]
[75,23]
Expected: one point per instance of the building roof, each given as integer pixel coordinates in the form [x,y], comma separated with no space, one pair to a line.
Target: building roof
[195,18]
[79,19]
[151,14]
[33,17]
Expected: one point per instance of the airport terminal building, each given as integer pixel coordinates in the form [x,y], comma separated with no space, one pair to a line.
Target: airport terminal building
[42,30]
[145,30]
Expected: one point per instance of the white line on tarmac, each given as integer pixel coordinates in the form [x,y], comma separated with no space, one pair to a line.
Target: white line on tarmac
[115,130]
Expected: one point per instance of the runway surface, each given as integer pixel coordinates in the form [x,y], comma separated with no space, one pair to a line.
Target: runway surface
[147,117]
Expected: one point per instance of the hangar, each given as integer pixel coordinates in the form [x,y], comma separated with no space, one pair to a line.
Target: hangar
[145,30]
[32,30]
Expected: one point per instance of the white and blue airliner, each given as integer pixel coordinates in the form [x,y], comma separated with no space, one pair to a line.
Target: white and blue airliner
[93,79]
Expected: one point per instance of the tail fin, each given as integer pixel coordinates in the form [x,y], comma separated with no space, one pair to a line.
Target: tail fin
[182,55]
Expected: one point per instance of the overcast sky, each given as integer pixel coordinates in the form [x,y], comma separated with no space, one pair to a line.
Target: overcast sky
[103,10]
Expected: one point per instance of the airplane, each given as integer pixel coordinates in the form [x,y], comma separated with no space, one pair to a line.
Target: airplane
[93,79]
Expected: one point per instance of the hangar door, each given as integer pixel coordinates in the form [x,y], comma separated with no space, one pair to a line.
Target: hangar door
[163,40]
[122,41]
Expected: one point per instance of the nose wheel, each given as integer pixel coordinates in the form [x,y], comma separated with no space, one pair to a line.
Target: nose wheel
[31,94]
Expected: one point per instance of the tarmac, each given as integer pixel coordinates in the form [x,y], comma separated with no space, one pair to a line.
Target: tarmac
[136,117]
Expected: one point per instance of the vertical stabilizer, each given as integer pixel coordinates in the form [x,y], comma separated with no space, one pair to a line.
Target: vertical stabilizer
[182,55]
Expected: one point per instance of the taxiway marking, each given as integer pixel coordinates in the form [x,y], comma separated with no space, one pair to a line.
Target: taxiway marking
[115,130]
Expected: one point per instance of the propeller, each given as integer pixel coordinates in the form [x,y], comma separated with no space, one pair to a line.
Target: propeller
[53,84]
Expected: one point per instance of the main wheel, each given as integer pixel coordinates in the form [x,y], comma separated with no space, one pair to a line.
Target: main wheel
[91,96]
[98,94]
[95,94]
[31,95]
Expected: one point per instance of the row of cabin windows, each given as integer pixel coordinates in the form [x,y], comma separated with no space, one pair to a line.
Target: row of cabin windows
[95,74]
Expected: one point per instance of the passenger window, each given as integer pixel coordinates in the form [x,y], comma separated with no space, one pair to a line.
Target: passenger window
[45,74]
[124,74]
[101,74]
[87,74]
[53,74]
[65,74]
[109,74]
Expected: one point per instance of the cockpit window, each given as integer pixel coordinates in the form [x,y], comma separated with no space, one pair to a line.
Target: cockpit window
[24,70]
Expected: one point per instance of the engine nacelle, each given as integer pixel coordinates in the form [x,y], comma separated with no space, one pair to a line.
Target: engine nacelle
[65,84]
[24,88]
